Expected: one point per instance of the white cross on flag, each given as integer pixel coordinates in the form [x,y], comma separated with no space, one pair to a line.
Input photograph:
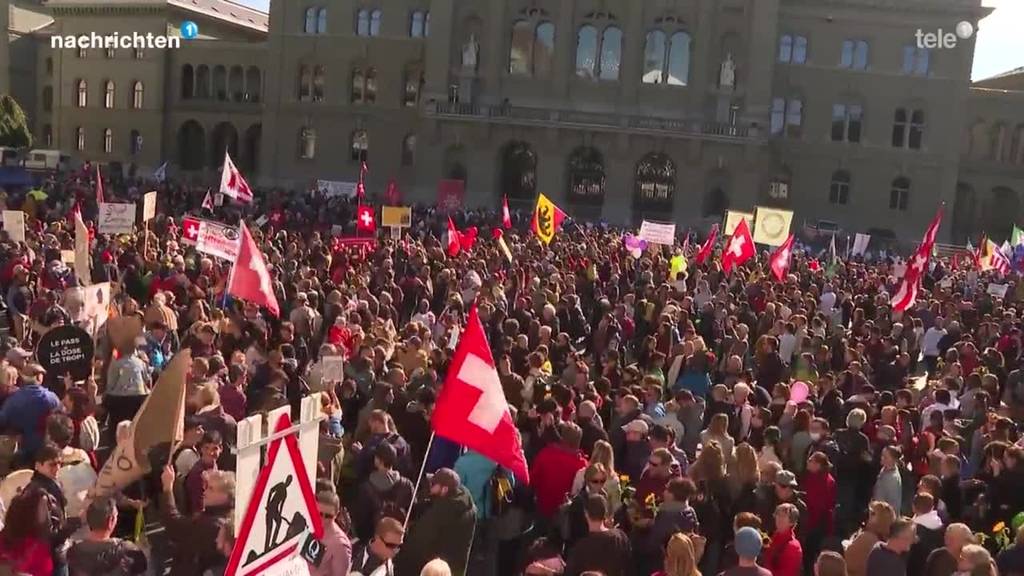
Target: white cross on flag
[471,409]
[250,278]
[232,183]
[740,247]
[780,259]
[190,230]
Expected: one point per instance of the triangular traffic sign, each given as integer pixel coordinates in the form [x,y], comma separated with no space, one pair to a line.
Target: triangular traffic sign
[281,510]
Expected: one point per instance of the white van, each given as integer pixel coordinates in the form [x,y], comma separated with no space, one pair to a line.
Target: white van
[47,160]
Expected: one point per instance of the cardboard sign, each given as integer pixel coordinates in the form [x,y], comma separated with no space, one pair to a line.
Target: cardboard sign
[997,290]
[732,220]
[656,233]
[772,226]
[116,218]
[67,256]
[396,216]
[148,206]
[82,269]
[333,368]
[66,349]
[14,225]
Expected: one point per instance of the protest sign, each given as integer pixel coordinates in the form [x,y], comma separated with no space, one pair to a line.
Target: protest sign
[772,226]
[66,349]
[116,218]
[335,188]
[656,233]
[148,206]
[14,225]
[450,194]
[396,216]
[89,306]
[333,368]
[732,220]
[997,290]
[218,240]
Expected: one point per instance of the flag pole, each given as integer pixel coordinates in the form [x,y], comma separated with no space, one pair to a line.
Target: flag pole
[416,489]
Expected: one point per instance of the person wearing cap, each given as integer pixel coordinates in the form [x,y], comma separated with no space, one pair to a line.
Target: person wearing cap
[748,544]
[445,530]
[784,491]
[784,556]
[26,410]
[637,448]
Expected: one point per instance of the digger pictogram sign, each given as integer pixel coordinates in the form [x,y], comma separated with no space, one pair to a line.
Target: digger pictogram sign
[281,515]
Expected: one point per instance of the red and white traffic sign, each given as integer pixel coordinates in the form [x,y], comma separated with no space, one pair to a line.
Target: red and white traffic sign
[281,513]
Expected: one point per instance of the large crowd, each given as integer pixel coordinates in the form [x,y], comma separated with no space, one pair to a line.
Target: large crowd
[705,423]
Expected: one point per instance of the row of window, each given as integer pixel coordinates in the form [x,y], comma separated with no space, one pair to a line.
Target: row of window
[996,142]
[109,95]
[134,140]
[109,53]
[311,80]
[839,191]
[367,22]
[847,123]
[359,146]
[854,54]
[237,84]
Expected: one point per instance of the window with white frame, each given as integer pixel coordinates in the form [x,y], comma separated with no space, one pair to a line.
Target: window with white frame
[793,49]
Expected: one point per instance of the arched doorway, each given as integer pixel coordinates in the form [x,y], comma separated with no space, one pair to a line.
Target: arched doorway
[655,187]
[251,148]
[964,207]
[716,195]
[586,176]
[455,163]
[191,146]
[518,171]
[225,137]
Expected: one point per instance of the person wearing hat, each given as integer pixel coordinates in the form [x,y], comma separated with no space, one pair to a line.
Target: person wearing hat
[445,530]
[637,449]
[784,491]
[26,408]
[748,544]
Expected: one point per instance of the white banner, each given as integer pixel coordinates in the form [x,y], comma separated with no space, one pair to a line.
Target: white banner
[89,306]
[860,244]
[116,218]
[83,271]
[997,290]
[332,188]
[14,225]
[148,206]
[218,240]
[656,233]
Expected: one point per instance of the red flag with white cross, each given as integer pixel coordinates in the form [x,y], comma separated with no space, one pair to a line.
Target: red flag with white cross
[366,219]
[780,259]
[471,409]
[250,277]
[739,248]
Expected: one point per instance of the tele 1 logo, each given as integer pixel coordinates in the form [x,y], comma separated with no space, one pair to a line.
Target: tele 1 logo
[943,39]
[189,30]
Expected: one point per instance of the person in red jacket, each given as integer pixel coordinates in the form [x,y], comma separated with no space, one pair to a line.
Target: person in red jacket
[820,495]
[784,556]
[555,468]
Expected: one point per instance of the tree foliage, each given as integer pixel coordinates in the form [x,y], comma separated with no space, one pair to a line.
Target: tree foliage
[14,130]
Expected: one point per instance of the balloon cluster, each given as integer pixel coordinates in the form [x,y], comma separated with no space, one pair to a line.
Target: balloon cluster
[635,244]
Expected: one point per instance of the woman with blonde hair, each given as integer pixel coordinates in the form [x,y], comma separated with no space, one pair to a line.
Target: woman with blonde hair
[680,557]
[743,479]
[602,454]
[718,432]
[436,567]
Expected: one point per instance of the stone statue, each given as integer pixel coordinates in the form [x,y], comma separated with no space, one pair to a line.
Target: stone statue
[470,53]
[727,77]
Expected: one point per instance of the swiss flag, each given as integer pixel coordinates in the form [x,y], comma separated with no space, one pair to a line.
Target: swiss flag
[454,239]
[740,247]
[471,409]
[366,219]
[707,246]
[506,216]
[781,258]
[100,197]
[906,295]
[232,183]
[250,278]
[190,230]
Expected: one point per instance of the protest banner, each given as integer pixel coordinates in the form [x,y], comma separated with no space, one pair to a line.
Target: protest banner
[732,220]
[14,225]
[450,194]
[772,226]
[396,216]
[66,350]
[335,188]
[658,233]
[218,240]
[148,206]
[116,218]
[997,290]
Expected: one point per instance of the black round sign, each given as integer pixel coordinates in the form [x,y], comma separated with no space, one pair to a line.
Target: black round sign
[66,349]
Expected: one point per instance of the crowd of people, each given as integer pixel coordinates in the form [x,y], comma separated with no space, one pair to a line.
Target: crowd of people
[706,423]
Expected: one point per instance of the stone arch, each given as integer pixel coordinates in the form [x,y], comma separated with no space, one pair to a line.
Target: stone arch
[655,181]
[191,145]
[518,171]
[253,84]
[203,86]
[220,83]
[455,163]
[188,82]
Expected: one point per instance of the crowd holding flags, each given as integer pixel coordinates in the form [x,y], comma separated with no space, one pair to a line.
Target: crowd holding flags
[739,249]
[232,183]
[906,295]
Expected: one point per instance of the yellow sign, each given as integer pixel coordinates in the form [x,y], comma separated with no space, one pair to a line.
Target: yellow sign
[732,220]
[772,226]
[396,216]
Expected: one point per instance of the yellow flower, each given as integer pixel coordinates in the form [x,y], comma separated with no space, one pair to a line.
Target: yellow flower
[624,479]
[649,500]
[999,527]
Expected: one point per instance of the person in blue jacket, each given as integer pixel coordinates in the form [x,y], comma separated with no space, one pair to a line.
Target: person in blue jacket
[26,410]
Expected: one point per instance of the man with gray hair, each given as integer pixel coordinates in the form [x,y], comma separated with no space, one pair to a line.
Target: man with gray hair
[853,462]
[99,552]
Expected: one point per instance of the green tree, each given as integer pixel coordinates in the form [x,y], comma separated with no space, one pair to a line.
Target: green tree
[14,130]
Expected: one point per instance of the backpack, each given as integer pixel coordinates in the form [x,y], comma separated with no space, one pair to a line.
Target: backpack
[500,488]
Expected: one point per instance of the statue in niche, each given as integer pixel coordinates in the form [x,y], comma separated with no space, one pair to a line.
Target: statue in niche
[727,75]
[470,53]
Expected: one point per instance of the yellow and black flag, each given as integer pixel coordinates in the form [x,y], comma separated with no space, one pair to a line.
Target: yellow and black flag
[547,218]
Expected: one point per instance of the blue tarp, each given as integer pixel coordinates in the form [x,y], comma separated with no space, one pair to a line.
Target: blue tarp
[14,177]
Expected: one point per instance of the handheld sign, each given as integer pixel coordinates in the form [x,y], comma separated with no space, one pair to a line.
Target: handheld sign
[148,206]
[116,218]
[66,349]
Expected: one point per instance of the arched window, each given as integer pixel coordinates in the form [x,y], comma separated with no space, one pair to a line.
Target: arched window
[47,98]
[310,23]
[108,94]
[654,57]
[586,51]
[358,86]
[360,146]
[307,143]
[80,138]
[135,143]
[418,24]
[253,84]
[363,23]
[371,85]
[409,150]
[679,59]
[586,176]
[1017,156]
[611,53]
[667,59]
[786,48]
[413,82]
[532,49]
[49,66]
[203,81]
[655,180]
[521,50]
[220,83]
[318,83]
[108,141]
[83,93]
[236,83]
[544,49]
[899,195]
[137,94]
[188,82]
[518,171]
[321,21]
[998,148]
[375,18]
[305,83]
[839,190]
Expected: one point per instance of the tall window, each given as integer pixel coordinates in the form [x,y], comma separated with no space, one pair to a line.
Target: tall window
[586,176]
[49,66]
[370,93]
[110,53]
[80,139]
[908,128]
[82,53]
[899,195]
[793,49]
[916,60]
[305,83]
[360,146]
[48,135]
[598,55]
[137,94]
[363,23]
[839,191]
[108,141]
[321,21]
[47,98]
[375,18]
[358,86]
[108,94]
[655,179]
[787,116]
[413,82]
[409,150]
[309,25]
[307,143]
[667,59]
[419,20]
[139,53]
[855,55]
[135,142]
[83,94]
[532,49]
[319,75]
[846,122]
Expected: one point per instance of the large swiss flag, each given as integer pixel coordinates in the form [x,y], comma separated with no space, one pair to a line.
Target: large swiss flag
[250,278]
[232,183]
[472,410]
[780,259]
[740,247]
